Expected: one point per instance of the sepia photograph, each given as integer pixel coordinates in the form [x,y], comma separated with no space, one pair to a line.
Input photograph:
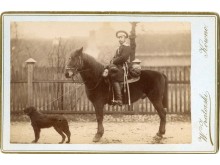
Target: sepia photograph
[104,81]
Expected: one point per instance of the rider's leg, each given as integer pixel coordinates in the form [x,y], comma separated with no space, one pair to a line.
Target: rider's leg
[117,93]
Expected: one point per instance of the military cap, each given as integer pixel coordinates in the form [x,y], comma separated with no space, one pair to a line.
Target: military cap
[137,61]
[121,33]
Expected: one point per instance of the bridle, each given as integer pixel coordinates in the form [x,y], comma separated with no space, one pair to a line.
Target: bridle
[79,68]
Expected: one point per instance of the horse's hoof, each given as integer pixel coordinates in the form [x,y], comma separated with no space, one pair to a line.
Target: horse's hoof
[34,141]
[60,142]
[157,139]
[67,142]
[159,135]
[97,138]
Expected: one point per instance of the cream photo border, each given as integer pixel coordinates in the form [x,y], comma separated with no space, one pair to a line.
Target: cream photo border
[203,83]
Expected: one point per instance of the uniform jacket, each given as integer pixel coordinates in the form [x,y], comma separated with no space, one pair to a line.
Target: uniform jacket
[121,56]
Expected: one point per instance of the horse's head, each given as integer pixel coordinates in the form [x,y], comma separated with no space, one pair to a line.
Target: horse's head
[75,63]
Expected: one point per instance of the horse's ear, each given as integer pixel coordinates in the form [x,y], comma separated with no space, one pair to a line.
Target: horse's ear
[81,50]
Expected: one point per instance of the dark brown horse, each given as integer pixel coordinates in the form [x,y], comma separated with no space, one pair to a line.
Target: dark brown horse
[152,84]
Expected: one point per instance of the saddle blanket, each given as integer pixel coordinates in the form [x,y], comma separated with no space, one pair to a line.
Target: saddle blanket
[131,80]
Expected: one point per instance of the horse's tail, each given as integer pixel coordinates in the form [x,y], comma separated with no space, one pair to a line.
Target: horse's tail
[165,94]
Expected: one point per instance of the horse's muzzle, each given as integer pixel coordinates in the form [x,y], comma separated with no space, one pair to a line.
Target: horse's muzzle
[69,73]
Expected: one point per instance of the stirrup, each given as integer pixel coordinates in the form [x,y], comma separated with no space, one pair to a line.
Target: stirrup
[116,102]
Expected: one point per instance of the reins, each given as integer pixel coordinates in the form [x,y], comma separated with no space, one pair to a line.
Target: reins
[57,98]
[80,64]
[79,71]
[97,84]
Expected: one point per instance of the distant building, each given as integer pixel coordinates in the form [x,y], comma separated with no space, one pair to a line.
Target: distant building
[162,60]
[152,49]
[101,43]
[164,49]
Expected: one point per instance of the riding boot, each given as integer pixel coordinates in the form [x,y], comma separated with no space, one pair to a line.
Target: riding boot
[117,93]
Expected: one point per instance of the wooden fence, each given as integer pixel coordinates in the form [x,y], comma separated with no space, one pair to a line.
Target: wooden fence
[52,93]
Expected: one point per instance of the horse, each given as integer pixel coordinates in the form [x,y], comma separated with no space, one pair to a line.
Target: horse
[152,84]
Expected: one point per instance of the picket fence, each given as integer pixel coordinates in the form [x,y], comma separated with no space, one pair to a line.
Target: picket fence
[52,93]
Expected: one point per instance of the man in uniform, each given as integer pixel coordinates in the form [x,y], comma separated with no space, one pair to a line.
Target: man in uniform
[116,67]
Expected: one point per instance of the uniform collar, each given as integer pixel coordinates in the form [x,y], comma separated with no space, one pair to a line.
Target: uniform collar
[125,44]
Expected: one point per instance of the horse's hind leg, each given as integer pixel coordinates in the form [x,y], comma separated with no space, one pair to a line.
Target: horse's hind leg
[162,114]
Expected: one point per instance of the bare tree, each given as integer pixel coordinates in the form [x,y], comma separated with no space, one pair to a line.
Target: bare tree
[132,40]
[57,56]
[57,61]
[15,48]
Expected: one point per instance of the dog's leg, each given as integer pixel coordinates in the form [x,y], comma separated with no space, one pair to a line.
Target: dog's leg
[36,133]
[61,133]
[68,134]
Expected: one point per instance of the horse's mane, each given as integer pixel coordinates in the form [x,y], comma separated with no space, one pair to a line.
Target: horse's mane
[93,64]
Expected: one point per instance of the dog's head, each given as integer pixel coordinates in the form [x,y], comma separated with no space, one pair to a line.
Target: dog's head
[29,110]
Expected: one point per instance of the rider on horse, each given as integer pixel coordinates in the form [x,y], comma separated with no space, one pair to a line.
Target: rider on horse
[116,67]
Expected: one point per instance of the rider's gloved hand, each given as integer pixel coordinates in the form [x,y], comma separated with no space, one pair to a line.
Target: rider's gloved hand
[105,73]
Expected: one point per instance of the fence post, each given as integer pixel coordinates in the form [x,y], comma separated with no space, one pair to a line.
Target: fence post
[30,68]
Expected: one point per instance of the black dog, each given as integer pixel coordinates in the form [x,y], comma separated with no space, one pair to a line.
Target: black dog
[39,120]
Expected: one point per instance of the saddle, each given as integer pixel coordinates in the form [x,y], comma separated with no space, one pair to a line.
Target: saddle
[131,74]
[131,80]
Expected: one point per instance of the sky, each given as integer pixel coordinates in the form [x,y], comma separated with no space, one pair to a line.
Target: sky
[49,30]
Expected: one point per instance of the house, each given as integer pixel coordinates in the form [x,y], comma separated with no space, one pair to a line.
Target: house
[153,49]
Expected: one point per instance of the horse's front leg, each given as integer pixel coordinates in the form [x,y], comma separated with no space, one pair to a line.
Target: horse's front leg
[99,116]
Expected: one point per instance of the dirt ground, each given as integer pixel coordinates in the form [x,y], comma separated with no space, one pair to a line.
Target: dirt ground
[115,132]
